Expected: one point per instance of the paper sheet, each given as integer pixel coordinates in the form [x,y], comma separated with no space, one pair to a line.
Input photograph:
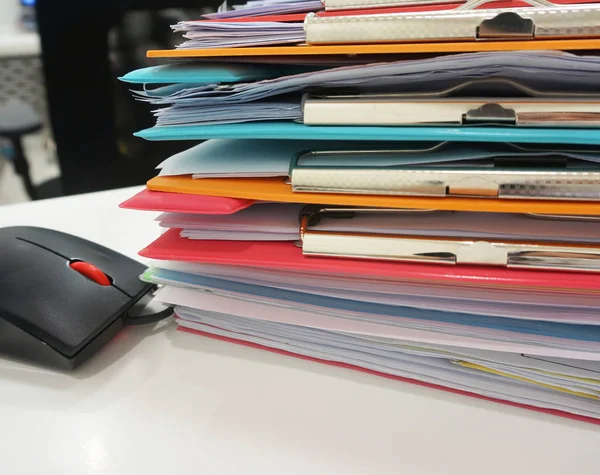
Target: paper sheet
[268,8]
[214,115]
[459,322]
[484,339]
[375,289]
[483,308]
[263,222]
[237,34]
[558,382]
[380,357]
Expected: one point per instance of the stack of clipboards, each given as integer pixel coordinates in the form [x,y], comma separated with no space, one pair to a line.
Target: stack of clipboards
[419,198]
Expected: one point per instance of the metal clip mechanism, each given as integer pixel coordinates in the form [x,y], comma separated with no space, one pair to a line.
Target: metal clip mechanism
[507,25]
[491,113]
[438,250]
[310,215]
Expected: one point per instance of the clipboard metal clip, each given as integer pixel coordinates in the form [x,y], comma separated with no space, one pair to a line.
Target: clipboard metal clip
[437,180]
[504,26]
[448,251]
[491,113]
[310,215]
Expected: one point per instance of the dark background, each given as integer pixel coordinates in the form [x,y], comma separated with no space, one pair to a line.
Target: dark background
[86,46]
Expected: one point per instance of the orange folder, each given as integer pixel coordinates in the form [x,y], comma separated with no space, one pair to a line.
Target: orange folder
[276,189]
[399,48]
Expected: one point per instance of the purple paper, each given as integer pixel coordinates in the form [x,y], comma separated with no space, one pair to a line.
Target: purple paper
[274,9]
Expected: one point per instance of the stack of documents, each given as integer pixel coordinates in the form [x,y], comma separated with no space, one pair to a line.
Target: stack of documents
[365,21]
[433,219]
[523,89]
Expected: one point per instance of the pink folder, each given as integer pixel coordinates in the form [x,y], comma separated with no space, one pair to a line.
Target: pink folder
[288,256]
[147,200]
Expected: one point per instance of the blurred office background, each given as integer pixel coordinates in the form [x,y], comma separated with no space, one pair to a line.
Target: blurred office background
[59,64]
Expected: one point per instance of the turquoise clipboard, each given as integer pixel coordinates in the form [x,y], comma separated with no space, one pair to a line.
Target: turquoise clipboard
[211,73]
[296,131]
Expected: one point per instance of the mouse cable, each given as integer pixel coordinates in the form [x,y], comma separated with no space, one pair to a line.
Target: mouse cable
[147,319]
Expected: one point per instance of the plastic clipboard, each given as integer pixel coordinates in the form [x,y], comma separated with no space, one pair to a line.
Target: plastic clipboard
[541,19]
[277,190]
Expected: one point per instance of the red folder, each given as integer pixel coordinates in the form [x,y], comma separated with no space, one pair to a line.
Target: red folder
[288,256]
[552,412]
[147,200]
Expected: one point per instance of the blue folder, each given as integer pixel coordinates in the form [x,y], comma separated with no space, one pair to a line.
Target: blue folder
[550,329]
[296,131]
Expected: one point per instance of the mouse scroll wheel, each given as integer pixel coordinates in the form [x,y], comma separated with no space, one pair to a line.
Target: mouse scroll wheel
[91,272]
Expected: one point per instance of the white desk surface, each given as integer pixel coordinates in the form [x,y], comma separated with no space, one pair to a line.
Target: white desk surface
[156,401]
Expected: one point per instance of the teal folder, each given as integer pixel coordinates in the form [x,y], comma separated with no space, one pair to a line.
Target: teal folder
[297,131]
[211,73]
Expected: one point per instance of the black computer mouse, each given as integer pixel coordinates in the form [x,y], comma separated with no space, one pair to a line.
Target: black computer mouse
[62,298]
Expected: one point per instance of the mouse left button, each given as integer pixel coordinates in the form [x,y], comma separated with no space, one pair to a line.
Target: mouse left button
[91,272]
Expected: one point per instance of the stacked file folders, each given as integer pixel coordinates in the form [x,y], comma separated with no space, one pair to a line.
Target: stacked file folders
[401,21]
[428,218]
[390,26]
